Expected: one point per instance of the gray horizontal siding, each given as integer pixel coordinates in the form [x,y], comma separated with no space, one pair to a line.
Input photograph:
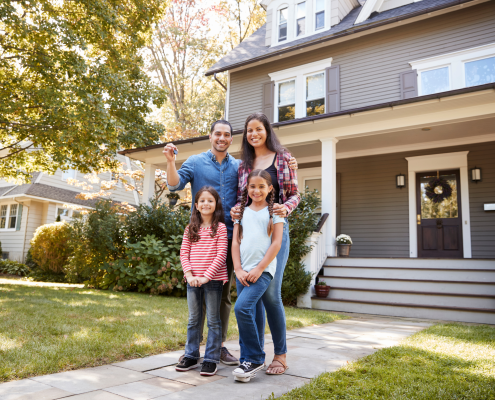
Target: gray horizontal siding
[370,66]
[376,214]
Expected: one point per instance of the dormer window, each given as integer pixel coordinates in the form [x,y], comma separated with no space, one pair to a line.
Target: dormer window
[283,15]
[319,14]
[301,18]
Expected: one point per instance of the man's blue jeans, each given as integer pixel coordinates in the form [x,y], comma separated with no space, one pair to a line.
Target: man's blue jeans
[272,300]
[211,294]
[251,339]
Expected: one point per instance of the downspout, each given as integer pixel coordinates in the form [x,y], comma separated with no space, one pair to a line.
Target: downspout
[215,76]
[25,230]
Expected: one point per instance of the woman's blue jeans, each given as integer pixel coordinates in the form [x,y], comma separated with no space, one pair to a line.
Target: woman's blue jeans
[211,294]
[272,301]
[250,338]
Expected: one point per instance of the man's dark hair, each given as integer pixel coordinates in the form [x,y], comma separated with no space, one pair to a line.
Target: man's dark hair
[220,121]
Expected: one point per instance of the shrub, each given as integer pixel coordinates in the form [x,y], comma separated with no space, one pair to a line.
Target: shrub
[49,246]
[302,222]
[13,268]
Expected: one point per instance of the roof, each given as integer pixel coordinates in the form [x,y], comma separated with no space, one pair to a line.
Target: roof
[455,92]
[253,49]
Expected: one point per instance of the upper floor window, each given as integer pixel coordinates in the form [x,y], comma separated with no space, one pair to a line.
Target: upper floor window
[457,70]
[301,19]
[8,216]
[315,94]
[287,100]
[283,15]
[319,14]
[69,174]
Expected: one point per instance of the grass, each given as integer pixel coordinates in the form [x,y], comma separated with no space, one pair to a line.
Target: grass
[451,361]
[56,327]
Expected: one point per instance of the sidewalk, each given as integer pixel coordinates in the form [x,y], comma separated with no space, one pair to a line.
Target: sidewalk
[311,351]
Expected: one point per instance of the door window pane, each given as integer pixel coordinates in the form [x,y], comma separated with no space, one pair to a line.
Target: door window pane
[447,208]
[435,81]
[320,14]
[301,20]
[282,24]
[13,216]
[480,71]
[3,217]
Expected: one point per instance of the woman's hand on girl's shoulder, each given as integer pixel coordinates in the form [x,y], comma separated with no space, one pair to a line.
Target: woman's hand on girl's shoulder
[292,163]
[280,210]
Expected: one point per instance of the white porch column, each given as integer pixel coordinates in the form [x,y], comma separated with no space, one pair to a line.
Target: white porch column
[149,182]
[329,191]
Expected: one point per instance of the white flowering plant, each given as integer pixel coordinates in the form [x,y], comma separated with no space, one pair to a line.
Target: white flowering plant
[344,239]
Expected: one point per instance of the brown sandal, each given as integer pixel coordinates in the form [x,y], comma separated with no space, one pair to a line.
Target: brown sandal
[275,366]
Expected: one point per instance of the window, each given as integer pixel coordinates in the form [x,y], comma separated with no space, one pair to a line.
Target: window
[3,216]
[300,91]
[115,177]
[301,18]
[63,212]
[319,14]
[282,24]
[470,67]
[8,216]
[66,213]
[71,173]
[287,100]
[315,94]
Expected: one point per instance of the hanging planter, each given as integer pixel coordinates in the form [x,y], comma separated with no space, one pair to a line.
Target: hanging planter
[344,243]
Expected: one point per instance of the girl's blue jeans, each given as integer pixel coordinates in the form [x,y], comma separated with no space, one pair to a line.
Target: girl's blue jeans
[211,294]
[251,338]
[272,301]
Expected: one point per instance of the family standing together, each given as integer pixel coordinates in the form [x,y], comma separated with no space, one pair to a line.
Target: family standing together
[238,225]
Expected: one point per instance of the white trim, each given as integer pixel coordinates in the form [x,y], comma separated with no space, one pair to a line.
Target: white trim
[329,191]
[134,192]
[439,162]
[149,182]
[300,70]
[227,97]
[367,9]
[7,217]
[418,146]
[70,169]
[455,61]
[38,178]
[44,199]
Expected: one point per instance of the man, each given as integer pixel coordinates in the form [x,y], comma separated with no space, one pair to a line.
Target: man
[216,168]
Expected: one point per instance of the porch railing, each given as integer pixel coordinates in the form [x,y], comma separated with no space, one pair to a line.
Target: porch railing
[315,259]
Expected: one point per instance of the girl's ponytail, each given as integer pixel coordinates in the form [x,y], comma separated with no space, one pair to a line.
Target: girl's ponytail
[243,205]
[270,202]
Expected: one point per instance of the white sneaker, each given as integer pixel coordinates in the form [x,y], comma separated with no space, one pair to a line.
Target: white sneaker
[247,370]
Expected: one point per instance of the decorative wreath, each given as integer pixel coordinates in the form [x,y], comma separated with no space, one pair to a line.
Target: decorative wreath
[438,190]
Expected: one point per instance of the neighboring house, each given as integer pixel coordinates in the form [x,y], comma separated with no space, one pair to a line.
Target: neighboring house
[23,208]
[375,100]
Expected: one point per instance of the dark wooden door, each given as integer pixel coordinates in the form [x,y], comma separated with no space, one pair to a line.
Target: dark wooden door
[439,224]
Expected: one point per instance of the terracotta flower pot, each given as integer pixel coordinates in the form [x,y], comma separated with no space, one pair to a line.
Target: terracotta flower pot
[344,250]
[322,291]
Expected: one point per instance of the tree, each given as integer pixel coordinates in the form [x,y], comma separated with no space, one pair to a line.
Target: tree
[72,86]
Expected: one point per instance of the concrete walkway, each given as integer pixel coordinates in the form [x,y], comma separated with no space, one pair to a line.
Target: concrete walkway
[311,351]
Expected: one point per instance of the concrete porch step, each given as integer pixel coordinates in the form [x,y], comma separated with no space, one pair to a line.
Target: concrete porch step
[418,285]
[437,263]
[475,301]
[464,314]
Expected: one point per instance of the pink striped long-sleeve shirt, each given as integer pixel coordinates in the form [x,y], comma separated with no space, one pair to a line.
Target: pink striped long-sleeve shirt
[206,257]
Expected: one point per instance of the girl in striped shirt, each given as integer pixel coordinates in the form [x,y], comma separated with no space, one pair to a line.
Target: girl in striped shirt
[203,257]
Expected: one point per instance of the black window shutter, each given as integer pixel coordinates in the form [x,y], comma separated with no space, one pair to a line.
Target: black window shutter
[408,84]
[268,99]
[333,89]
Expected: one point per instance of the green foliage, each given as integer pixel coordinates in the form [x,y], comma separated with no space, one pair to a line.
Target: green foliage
[49,246]
[39,275]
[0,249]
[74,90]
[13,268]
[302,222]
[58,219]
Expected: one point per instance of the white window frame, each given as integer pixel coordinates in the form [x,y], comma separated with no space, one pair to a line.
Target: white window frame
[70,169]
[6,229]
[70,213]
[299,74]
[305,18]
[277,25]
[119,182]
[456,62]
[314,17]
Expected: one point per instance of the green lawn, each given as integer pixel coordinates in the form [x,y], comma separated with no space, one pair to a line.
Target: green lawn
[447,362]
[47,329]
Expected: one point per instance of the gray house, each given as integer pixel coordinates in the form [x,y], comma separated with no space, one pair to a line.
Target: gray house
[382,102]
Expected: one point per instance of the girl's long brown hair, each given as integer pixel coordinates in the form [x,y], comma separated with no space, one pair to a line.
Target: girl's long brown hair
[196,219]
[269,199]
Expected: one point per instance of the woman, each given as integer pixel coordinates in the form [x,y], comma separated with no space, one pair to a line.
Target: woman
[261,149]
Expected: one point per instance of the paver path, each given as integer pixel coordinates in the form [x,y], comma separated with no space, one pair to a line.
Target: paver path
[311,351]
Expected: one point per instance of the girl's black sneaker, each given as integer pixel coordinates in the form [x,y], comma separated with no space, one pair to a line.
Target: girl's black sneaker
[246,371]
[208,368]
[186,364]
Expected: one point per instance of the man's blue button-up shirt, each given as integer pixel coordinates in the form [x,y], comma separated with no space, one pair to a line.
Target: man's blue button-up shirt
[204,170]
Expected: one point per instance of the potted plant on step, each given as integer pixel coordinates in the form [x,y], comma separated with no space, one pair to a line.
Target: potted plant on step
[172,198]
[344,243]
[321,289]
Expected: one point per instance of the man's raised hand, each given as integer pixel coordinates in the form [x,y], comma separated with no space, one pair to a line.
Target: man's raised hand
[170,150]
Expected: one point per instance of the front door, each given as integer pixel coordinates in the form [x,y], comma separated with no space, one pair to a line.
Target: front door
[439,223]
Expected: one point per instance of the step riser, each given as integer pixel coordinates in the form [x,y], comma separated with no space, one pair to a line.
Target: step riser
[461,276]
[461,288]
[420,299]
[410,262]
[411,312]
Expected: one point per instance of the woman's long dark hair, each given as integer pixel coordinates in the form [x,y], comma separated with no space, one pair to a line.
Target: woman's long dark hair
[269,199]
[196,219]
[272,142]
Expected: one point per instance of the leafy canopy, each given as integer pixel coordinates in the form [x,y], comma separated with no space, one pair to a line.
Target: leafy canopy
[72,87]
